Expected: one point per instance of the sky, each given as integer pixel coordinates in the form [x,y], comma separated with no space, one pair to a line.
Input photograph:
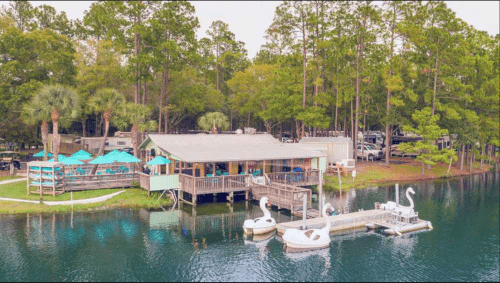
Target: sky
[248,20]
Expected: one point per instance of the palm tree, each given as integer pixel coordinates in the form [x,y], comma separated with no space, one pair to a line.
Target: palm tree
[137,116]
[58,102]
[106,101]
[213,120]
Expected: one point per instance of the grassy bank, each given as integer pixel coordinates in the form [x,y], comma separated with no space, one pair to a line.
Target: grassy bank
[131,198]
[7,178]
[373,173]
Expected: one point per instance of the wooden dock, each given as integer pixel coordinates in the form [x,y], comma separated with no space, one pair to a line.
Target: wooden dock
[310,213]
[339,222]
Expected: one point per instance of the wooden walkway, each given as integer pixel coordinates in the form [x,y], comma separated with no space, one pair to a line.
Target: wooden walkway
[339,222]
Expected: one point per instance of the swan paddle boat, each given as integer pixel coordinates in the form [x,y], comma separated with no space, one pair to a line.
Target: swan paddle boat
[296,240]
[404,218]
[261,225]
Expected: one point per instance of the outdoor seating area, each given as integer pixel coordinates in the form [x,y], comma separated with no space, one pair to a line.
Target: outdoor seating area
[81,171]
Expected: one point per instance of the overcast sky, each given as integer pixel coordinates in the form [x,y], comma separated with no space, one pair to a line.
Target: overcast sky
[249,20]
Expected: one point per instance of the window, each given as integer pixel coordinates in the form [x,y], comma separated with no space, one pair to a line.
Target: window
[106,143]
[122,143]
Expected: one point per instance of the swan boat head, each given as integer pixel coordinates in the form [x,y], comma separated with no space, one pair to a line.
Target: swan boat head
[410,190]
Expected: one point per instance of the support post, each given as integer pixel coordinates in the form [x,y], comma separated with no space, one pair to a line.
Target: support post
[304,211]
[320,189]
[397,195]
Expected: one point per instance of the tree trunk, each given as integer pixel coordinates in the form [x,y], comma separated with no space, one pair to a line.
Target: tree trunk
[162,92]
[84,128]
[45,138]
[449,166]
[303,76]
[135,134]
[167,84]
[462,158]
[423,168]
[55,133]
[104,137]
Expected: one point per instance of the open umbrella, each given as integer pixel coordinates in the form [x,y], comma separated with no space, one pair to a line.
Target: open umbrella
[40,154]
[81,155]
[69,161]
[159,160]
[60,157]
[124,157]
[101,160]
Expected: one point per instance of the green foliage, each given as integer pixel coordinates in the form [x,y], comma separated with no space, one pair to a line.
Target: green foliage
[213,121]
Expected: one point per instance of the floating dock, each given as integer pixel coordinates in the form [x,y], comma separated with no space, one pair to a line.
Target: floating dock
[398,228]
[339,222]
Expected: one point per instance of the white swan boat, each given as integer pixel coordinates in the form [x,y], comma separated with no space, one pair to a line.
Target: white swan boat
[304,240]
[261,225]
[404,218]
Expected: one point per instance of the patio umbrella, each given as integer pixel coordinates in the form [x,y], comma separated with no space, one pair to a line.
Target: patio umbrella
[69,161]
[101,160]
[81,155]
[159,160]
[60,157]
[123,157]
[40,154]
[112,154]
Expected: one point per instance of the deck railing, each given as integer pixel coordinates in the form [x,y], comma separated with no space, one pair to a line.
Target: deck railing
[306,178]
[93,182]
[210,185]
[283,196]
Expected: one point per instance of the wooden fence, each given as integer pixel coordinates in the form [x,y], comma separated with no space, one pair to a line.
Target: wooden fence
[94,182]
[211,185]
[282,196]
[306,178]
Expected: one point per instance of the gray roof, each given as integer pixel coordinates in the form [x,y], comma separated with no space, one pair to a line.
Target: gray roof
[219,148]
[325,140]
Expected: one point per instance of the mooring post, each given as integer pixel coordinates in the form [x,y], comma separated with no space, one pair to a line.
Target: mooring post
[304,210]
[397,194]
[320,199]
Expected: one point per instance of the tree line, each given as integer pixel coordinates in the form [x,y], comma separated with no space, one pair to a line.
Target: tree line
[326,66]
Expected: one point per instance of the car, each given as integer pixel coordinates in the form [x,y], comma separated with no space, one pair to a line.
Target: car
[369,153]
[286,140]
[8,157]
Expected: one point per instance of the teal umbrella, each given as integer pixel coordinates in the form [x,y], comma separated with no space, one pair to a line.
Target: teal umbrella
[69,161]
[60,157]
[40,154]
[101,160]
[112,154]
[81,155]
[159,160]
[123,157]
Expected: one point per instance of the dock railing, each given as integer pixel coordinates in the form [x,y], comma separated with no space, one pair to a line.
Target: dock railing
[282,195]
[93,182]
[305,178]
[211,185]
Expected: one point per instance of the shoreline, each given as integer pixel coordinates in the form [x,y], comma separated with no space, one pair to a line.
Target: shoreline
[369,173]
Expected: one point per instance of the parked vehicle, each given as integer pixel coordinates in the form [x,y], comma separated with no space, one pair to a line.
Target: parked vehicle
[286,140]
[369,152]
[7,158]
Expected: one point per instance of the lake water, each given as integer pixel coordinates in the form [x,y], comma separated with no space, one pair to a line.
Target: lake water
[207,244]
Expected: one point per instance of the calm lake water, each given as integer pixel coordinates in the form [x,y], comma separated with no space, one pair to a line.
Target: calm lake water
[207,244]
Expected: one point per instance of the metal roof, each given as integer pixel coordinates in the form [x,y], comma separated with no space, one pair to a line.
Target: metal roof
[325,140]
[219,148]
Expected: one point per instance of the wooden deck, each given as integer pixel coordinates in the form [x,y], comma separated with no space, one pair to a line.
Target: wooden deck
[307,178]
[214,185]
[95,182]
[339,222]
[282,195]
